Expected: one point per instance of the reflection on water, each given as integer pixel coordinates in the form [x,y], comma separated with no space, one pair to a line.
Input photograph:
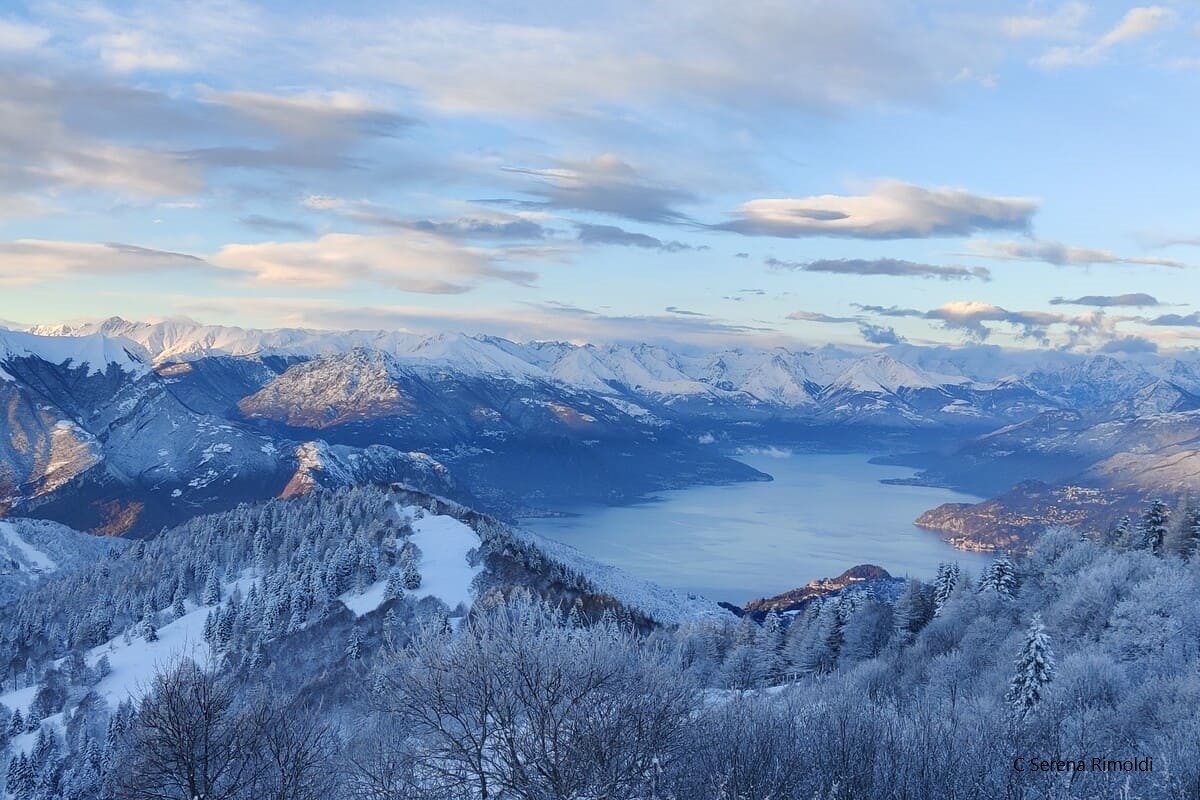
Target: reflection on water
[822,514]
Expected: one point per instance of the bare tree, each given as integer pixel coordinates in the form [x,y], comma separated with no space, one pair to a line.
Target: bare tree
[190,740]
[298,752]
[519,704]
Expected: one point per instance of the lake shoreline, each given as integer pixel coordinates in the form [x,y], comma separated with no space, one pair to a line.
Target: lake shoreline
[744,540]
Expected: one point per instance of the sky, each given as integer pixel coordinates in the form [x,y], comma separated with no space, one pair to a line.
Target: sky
[811,171]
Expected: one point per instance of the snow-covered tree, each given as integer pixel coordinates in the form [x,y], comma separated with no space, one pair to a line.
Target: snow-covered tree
[1000,577]
[212,589]
[944,584]
[1034,670]
[912,611]
[354,645]
[1153,527]
[395,584]
[411,576]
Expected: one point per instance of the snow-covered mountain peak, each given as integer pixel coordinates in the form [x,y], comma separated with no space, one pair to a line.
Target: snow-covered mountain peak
[881,373]
[95,351]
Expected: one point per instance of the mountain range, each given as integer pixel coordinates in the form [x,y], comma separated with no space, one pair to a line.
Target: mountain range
[120,426]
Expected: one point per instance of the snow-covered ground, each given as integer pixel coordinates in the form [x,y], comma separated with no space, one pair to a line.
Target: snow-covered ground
[134,661]
[95,350]
[446,572]
[35,558]
[657,602]
[444,543]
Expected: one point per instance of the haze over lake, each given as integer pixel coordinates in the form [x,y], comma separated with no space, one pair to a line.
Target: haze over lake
[822,514]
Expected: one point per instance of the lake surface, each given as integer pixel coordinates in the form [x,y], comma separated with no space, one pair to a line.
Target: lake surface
[822,514]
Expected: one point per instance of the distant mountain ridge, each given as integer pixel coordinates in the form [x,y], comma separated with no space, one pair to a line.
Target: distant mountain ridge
[119,425]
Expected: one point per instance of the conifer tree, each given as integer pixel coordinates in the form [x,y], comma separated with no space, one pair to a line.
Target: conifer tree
[395,584]
[1034,670]
[212,589]
[912,611]
[412,577]
[1000,577]
[354,646]
[1154,526]
[943,585]
[21,777]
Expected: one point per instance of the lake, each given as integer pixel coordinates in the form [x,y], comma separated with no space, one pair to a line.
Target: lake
[822,514]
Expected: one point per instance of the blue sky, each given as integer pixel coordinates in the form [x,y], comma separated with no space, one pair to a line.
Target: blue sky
[853,172]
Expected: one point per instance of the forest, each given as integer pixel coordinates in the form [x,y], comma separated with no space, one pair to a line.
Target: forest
[1082,648]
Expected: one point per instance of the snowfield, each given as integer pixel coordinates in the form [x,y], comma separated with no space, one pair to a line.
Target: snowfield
[444,543]
[36,559]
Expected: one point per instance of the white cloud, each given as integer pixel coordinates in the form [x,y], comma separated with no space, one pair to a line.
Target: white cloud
[891,210]
[813,56]
[526,322]
[309,115]
[40,150]
[410,261]
[129,51]
[21,36]
[1136,24]
[1060,254]
[1063,22]
[27,261]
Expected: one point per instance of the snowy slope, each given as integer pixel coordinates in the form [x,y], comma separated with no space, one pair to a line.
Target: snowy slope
[95,352]
[881,373]
[33,549]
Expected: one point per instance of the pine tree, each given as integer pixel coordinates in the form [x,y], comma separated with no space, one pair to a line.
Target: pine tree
[212,589]
[354,646]
[178,606]
[1035,669]
[16,725]
[943,585]
[1000,577]
[20,777]
[912,611]
[395,584]
[103,667]
[1125,536]
[1153,528]
[412,577]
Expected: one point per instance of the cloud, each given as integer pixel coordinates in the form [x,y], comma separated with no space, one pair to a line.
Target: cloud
[891,210]
[968,316]
[486,225]
[273,225]
[879,334]
[683,312]
[18,37]
[1135,300]
[1137,23]
[45,145]
[524,322]
[611,234]
[312,116]
[1176,320]
[1129,344]
[816,316]
[605,184]
[412,262]
[1065,21]
[884,266]
[1062,255]
[130,51]
[889,311]
[28,261]
[812,57]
